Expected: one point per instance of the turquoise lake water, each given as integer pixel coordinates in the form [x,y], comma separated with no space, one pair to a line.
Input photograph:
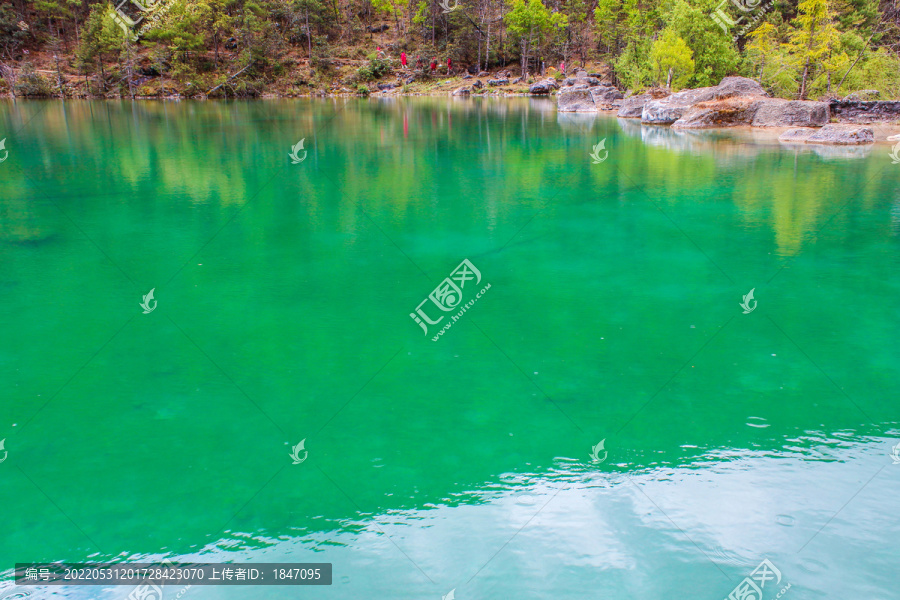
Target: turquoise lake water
[282,303]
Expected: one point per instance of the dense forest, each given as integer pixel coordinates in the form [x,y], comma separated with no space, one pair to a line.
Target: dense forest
[216,48]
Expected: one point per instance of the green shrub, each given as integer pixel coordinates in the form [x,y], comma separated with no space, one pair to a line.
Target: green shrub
[362,90]
[320,63]
[30,82]
[878,70]
[377,68]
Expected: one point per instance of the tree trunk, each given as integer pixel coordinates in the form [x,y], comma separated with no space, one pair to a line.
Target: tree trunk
[523,57]
[308,37]
[130,70]
[478,61]
[487,46]
[803,79]
[809,45]
[62,91]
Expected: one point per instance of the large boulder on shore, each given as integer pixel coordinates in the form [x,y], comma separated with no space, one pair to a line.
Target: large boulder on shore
[670,109]
[572,100]
[865,111]
[543,87]
[755,111]
[631,107]
[582,78]
[730,87]
[729,112]
[844,135]
[462,91]
[776,112]
[604,96]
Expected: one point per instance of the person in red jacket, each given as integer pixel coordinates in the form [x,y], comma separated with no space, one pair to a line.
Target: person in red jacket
[433,65]
[449,66]
[403,59]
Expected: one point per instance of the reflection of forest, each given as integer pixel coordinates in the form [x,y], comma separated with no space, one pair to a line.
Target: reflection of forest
[390,150]
[786,180]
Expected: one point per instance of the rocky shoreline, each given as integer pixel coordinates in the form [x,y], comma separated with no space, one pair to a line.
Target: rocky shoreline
[735,102]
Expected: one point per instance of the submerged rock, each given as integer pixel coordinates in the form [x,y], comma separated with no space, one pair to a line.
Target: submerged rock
[830,134]
[843,135]
[796,135]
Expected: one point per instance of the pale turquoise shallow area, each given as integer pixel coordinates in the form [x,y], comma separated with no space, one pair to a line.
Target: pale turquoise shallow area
[284,293]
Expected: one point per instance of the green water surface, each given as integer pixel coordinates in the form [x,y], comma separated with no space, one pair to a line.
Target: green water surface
[284,297]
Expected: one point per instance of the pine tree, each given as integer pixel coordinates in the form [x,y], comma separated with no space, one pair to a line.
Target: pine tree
[812,39]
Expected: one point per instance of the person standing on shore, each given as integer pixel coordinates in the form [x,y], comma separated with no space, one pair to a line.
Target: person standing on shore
[433,65]
[403,59]
[449,66]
